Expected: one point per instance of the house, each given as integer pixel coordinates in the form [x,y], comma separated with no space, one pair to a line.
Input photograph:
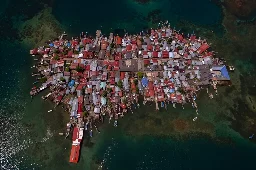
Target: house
[203,48]
[126,83]
[220,73]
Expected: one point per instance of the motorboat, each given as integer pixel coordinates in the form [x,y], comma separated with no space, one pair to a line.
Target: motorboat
[115,123]
[91,133]
[49,111]
[195,119]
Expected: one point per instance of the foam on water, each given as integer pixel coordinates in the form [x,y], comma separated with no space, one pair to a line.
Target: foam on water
[48,135]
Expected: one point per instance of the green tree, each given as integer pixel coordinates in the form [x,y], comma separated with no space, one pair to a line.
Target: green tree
[137,90]
[140,75]
[135,81]
[79,69]
[85,113]
[179,48]
[67,69]
[62,79]
[120,84]
[56,57]
[109,90]
[43,79]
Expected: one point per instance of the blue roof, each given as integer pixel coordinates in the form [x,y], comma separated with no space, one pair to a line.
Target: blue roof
[51,45]
[224,72]
[171,90]
[68,44]
[71,83]
[144,82]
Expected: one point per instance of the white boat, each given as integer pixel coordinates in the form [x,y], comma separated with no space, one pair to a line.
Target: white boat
[49,111]
[195,119]
[115,123]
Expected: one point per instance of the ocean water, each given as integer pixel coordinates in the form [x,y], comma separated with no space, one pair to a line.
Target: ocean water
[29,135]
[162,153]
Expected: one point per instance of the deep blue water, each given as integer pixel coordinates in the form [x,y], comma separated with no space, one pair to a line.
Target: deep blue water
[124,152]
[129,15]
[149,153]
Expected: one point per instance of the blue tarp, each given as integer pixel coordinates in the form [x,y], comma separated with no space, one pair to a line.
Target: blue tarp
[171,90]
[68,44]
[51,45]
[144,82]
[71,83]
[224,72]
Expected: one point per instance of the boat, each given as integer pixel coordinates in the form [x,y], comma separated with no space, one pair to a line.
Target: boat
[251,136]
[86,126]
[115,123]
[162,104]
[49,111]
[195,119]
[90,133]
[35,82]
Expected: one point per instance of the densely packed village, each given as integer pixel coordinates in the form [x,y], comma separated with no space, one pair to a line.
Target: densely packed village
[101,76]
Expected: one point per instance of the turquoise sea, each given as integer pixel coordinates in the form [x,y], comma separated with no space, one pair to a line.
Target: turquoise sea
[29,135]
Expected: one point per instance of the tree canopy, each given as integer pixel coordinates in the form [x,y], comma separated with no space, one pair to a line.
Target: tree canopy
[140,74]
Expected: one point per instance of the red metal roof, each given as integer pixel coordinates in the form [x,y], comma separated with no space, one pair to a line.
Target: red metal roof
[193,38]
[151,93]
[75,134]
[165,54]
[118,40]
[203,48]
[155,54]
[74,155]
[180,37]
[122,75]
[149,47]
[146,62]
[129,47]
[150,85]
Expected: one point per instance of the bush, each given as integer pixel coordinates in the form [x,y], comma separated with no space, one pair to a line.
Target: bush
[135,81]
[137,90]
[79,69]
[120,84]
[140,75]
[67,69]
[62,79]
[43,79]
[85,113]
[56,57]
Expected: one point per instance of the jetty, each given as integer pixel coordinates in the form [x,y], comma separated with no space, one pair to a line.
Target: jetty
[98,77]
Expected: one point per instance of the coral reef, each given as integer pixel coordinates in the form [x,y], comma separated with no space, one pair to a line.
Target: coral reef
[40,28]
[241,8]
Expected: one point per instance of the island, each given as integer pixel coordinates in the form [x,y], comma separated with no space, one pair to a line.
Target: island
[99,77]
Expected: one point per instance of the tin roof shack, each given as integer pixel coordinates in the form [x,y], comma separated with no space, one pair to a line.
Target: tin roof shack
[128,65]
